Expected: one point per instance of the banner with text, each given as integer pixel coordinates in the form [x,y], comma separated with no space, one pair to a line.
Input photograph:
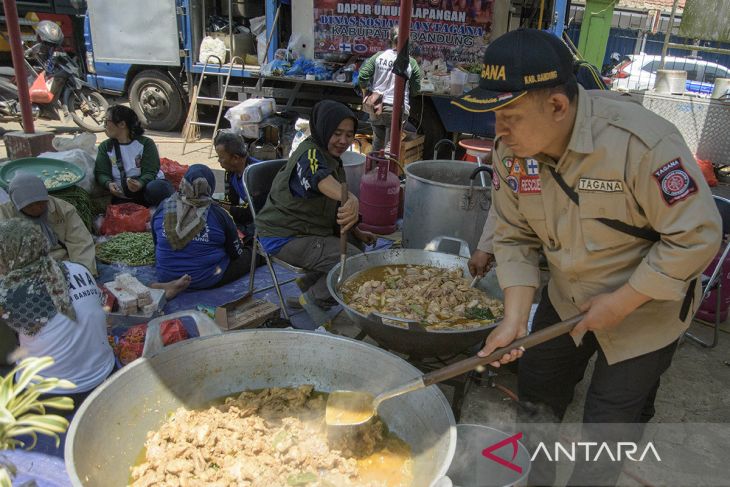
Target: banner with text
[453,30]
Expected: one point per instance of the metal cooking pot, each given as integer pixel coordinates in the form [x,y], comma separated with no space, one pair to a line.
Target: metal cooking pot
[406,336]
[109,430]
[442,198]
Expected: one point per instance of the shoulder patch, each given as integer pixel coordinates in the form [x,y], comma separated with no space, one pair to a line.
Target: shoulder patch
[674,182]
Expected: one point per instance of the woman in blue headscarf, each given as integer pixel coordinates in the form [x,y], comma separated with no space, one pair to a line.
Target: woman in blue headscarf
[196,242]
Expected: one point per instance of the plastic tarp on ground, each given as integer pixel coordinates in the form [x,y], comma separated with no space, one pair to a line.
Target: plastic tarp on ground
[230,292]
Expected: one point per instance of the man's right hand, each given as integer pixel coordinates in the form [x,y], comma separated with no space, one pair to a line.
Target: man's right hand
[480,262]
[505,333]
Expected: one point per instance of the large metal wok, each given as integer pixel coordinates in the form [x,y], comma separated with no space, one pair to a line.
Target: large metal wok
[108,432]
[405,336]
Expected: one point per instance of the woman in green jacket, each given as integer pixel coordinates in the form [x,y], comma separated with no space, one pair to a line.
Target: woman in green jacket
[303,215]
[127,163]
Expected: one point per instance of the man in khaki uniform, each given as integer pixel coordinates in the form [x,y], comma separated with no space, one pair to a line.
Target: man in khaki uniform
[611,194]
[59,220]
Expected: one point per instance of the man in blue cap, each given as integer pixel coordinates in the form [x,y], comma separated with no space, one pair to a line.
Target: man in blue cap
[612,196]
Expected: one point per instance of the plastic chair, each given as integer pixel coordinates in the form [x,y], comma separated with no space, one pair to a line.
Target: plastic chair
[715,281]
[257,181]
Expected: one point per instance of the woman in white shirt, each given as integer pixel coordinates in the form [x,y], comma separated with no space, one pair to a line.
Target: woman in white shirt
[54,307]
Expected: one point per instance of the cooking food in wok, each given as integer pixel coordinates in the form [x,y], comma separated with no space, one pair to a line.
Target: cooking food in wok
[437,297]
[270,437]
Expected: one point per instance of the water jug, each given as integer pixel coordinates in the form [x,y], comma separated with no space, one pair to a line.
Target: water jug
[379,194]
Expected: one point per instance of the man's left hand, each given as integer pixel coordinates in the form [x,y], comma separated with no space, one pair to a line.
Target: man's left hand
[606,311]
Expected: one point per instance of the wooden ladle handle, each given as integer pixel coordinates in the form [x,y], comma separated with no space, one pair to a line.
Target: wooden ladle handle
[471,363]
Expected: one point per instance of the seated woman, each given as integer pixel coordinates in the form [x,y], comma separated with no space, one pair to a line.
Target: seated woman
[55,307]
[58,220]
[233,157]
[127,163]
[196,242]
[302,218]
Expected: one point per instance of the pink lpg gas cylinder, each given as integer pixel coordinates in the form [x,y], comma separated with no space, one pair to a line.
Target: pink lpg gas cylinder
[379,195]
[707,308]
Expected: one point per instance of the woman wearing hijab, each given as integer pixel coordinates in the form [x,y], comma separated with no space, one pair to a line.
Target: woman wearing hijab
[196,242]
[302,218]
[58,220]
[127,163]
[54,307]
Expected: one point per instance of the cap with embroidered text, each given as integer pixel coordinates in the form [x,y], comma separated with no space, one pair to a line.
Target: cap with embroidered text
[515,63]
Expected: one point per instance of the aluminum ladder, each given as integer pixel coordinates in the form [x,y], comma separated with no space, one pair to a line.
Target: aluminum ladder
[192,119]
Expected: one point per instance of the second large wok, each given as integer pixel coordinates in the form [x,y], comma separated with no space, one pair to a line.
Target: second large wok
[399,336]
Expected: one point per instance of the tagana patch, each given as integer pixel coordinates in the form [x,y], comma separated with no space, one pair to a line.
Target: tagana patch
[674,182]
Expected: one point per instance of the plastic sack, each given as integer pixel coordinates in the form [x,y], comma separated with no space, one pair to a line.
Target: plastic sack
[211,46]
[258,25]
[277,67]
[173,170]
[297,46]
[82,159]
[708,171]
[303,131]
[127,217]
[85,141]
[173,331]
[253,110]
[40,91]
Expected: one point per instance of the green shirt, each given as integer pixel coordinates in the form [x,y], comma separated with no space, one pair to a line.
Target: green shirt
[140,158]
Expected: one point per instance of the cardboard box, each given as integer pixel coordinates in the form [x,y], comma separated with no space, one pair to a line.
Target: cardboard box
[245,313]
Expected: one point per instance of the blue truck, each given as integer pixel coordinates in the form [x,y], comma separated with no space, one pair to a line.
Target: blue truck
[152,58]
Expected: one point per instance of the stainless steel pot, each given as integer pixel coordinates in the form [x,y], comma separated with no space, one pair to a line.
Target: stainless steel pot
[442,198]
[108,432]
[405,336]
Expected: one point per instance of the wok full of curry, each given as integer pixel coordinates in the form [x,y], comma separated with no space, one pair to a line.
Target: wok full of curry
[418,302]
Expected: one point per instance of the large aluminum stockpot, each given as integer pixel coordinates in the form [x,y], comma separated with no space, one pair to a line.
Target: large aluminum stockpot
[405,336]
[109,430]
[444,198]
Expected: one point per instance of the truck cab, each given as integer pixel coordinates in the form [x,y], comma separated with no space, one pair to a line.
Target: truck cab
[144,63]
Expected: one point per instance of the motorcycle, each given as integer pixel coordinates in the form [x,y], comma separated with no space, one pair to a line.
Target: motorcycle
[57,89]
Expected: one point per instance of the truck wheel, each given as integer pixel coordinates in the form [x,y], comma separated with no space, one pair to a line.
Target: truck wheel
[157,101]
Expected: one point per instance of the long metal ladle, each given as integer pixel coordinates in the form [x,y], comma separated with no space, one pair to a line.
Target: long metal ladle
[354,408]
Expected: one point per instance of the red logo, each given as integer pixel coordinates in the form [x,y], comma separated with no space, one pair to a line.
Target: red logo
[513,440]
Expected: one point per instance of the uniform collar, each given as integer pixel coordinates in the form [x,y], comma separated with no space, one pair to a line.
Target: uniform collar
[581,140]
